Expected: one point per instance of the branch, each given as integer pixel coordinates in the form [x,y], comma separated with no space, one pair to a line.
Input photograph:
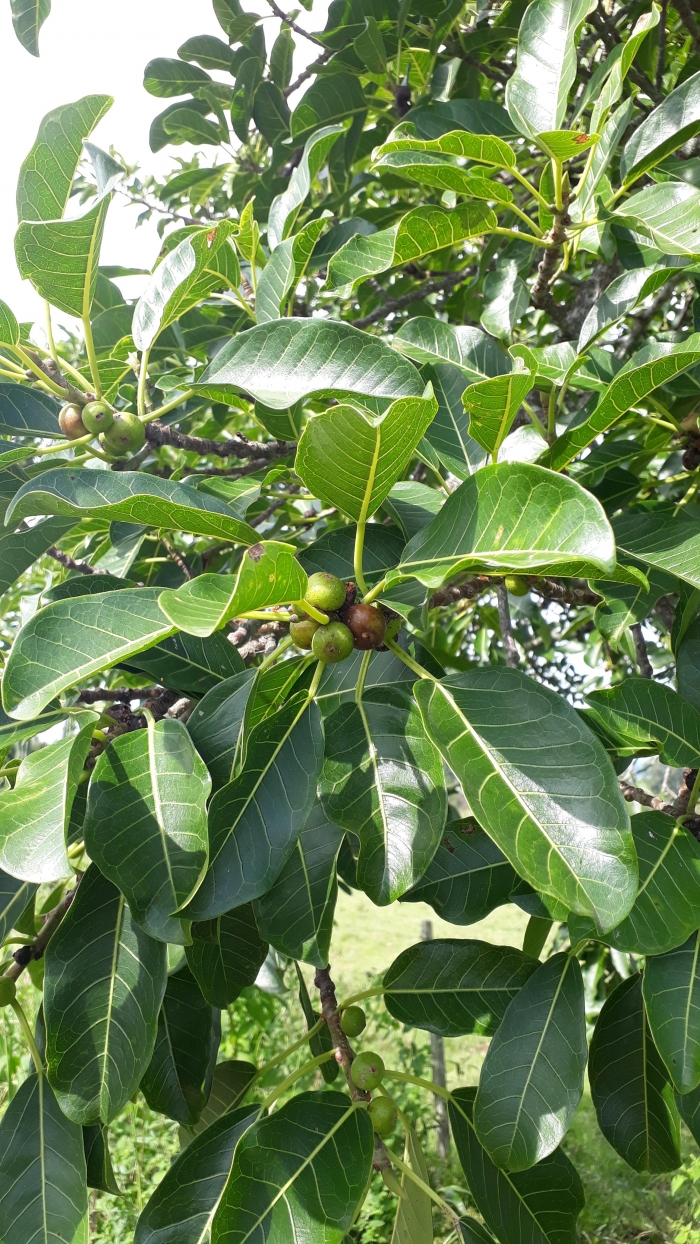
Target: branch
[635,794]
[680,807]
[640,649]
[94,695]
[540,294]
[462,591]
[433,286]
[566,595]
[288,21]
[71,564]
[158,433]
[687,16]
[509,647]
[26,954]
[307,73]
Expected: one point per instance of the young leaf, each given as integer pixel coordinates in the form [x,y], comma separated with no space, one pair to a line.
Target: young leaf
[352,462]
[650,714]
[129,497]
[286,360]
[383,780]
[629,1085]
[286,206]
[532,1079]
[103,987]
[28,16]
[667,905]
[203,262]
[9,328]
[413,1223]
[256,819]
[284,270]
[268,574]
[146,822]
[215,725]
[47,173]
[451,986]
[468,876]
[296,914]
[493,405]
[74,638]
[34,815]
[676,119]
[567,831]
[316,1151]
[671,991]
[226,955]
[539,1206]
[43,1194]
[182,1208]
[480,148]
[177,1079]
[537,93]
[512,517]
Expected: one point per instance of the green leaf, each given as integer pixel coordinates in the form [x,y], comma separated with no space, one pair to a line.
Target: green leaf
[296,914]
[506,298]
[338,682]
[412,505]
[655,364]
[186,125]
[352,461]
[665,910]
[100,1172]
[622,296]
[624,604]
[540,783]
[537,93]
[631,1092]
[333,551]
[182,1208]
[146,822]
[433,341]
[26,412]
[226,955]
[532,1079]
[687,666]
[281,58]
[129,497]
[383,780]
[439,171]
[34,815]
[664,538]
[256,819]
[14,896]
[103,986]
[450,986]
[327,101]
[208,52]
[166,77]
[667,215]
[177,1080]
[47,173]
[512,517]
[316,1152]
[268,574]
[287,360]
[650,714]
[565,144]
[43,1194]
[480,148]
[449,432]
[671,991]
[538,1206]
[413,1223]
[468,877]
[189,665]
[271,113]
[493,405]
[284,270]
[286,206]
[215,725]
[230,1083]
[202,262]
[74,638]
[15,731]
[676,119]
[61,257]
[28,16]
[20,549]
[9,328]
[420,232]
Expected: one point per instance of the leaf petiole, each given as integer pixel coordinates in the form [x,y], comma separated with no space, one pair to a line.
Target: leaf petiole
[28,1036]
[420,670]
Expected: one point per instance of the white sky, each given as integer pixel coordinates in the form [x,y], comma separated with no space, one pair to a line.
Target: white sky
[94,47]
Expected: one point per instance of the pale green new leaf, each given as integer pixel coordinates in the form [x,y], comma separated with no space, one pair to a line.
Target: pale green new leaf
[103,986]
[532,1079]
[352,462]
[537,93]
[203,262]
[43,1193]
[34,815]
[268,574]
[493,405]
[286,360]
[74,638]
[676,119]
[668,215]
[540,783]
[672,999]
[286,206]
[9,328]
[129,497]
[479,148]
[47,173]
[442,173]
[655,364]
[413,1223]
[146,822]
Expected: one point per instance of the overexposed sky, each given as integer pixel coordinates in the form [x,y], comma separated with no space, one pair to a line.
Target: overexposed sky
[94,47]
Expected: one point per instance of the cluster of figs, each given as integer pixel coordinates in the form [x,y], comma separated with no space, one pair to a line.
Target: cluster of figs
[121,433]
[350,625]
[367,1071]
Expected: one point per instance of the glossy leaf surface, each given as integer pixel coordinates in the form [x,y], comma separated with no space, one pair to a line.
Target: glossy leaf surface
[226,955]
[268,574]
[671,991]
[177,1080]
[468,876]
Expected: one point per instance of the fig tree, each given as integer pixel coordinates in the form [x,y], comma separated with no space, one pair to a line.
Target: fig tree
[70,421]
[367,624]
[353,1021]
[325,591]
[367,1070]
[126,435]
[303,631]
[8,991]
[382,1112]
[332,643]
[97,417]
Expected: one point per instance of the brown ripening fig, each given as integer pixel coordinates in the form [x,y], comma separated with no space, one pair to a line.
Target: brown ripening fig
[70,421]
[367,624]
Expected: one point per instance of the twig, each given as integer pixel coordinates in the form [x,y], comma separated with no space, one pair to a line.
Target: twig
[485,69]
[640,649]
[433,286]
[687,16]
[71,564]
[158,433]
[288,21]
[307,73]
[175,556]
[27,954]
[94,695]
[552,590]
[462,591]
[635,794]
[681,805]
[509,646]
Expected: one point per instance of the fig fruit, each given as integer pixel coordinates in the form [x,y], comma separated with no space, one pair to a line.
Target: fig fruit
[516,585]
[382,1112]
[303,631]
[353,1021]
[8,991]
[126,435]
[367,624]
[325,591]
[97,417]
[367,1070]
[70,421]
[332,643]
